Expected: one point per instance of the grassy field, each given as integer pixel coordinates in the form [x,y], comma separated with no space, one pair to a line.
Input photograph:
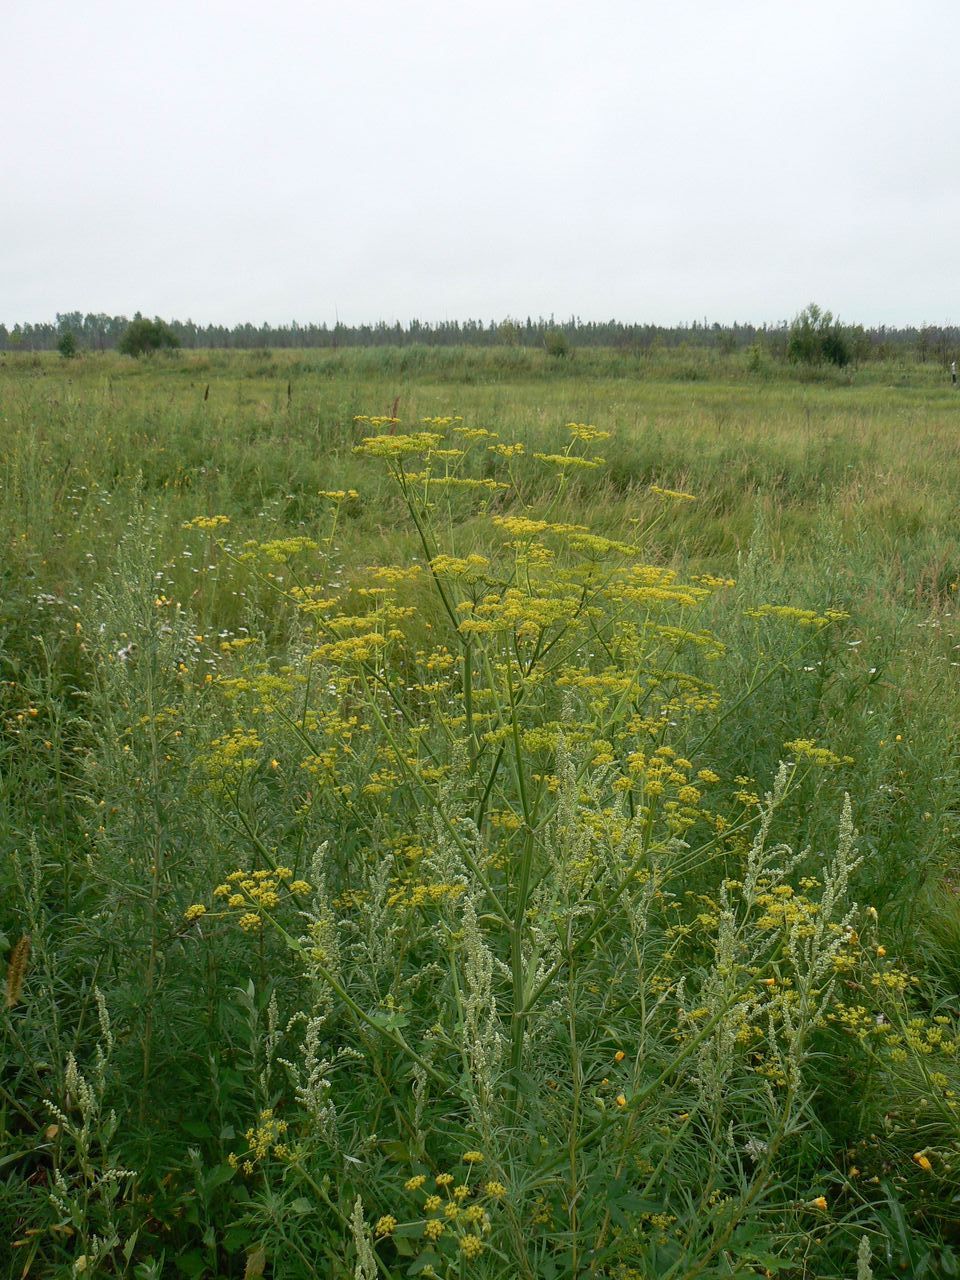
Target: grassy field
[470,814]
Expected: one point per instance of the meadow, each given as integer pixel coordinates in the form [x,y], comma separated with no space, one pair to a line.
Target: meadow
[471,814]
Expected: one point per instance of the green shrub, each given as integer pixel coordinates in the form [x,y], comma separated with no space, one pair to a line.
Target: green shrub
[816,337]
[145,336]
[556,344]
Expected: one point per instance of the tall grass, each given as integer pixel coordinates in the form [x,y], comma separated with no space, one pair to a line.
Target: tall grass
[399,878]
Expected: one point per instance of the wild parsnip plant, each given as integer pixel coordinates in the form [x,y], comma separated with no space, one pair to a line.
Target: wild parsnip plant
[509,892]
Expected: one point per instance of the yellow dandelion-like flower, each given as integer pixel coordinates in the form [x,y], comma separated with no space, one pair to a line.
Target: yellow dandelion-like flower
[820,1202]
[923,1162]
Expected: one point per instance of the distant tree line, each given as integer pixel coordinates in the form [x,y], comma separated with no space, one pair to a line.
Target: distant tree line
[812,337]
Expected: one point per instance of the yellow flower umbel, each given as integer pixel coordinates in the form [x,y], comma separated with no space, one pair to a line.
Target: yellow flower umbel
[677,495]
[395,447]
[587,434]
[264,1139]
[806,750]
[252,894]
[471,1246]
[458,1211]
[206,522]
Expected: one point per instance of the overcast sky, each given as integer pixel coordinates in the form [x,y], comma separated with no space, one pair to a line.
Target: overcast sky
[658,160]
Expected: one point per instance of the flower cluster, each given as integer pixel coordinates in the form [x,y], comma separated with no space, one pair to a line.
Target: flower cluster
[206,522]
[251,894]
[264,1139]
[454,1213]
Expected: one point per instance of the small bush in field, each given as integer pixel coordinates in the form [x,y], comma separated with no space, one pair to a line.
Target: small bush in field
[816,337]
[144,336]
[556,344]
[67,344]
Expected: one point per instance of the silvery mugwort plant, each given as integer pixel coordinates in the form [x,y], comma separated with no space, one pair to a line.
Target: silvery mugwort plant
[87,1188]
[510,947]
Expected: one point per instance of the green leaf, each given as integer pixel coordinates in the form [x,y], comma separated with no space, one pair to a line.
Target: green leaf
[426,1259]
[197,1129]
[398,1151]
[236,1239]
[389,1019]
[218,1176]
[193,1263]
[129,1246]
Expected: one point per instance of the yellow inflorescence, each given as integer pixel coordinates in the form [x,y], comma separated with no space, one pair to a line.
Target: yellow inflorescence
[252,894]
[677,495]
[398,446]
[264,1139]
[806,749]
[207,522]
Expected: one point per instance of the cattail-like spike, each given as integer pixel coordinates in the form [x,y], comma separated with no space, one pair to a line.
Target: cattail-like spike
[17,969]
